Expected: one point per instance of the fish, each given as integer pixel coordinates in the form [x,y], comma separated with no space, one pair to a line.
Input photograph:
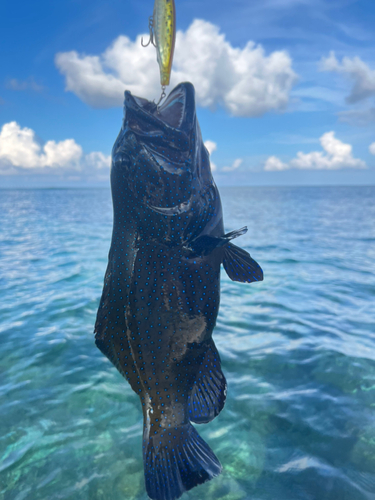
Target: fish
[162,28]
[161,288]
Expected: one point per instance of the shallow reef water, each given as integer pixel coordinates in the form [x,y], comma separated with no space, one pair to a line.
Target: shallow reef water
[298,351]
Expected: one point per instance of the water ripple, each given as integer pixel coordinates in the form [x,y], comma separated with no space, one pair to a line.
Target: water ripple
[298,351]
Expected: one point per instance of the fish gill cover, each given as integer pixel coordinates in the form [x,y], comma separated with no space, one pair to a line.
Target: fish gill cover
[162,286]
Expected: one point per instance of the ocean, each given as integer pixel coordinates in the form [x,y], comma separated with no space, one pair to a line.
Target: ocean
[298,351]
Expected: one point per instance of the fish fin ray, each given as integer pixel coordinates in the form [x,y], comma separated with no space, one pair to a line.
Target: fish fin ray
[207,398]
[236,233]
[176,460]
[205,244]
[240,266]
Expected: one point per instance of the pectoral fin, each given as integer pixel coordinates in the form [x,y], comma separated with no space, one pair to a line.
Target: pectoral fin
[240,266]
[205,244]
[236,233]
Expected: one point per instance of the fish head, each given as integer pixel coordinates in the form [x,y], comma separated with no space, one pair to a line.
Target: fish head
[160,160]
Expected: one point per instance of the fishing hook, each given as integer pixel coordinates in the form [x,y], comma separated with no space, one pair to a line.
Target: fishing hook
[150,27]
[163,94]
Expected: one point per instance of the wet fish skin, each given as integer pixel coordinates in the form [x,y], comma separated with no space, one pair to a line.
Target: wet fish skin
[162,286]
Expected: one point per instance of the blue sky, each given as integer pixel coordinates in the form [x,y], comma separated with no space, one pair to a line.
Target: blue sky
[285,88]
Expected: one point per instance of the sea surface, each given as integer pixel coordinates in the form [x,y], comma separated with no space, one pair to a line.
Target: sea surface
[298,351]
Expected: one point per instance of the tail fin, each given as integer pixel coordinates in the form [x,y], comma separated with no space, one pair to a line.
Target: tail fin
[175,460]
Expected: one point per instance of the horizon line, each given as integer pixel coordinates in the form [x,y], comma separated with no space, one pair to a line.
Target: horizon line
[52,188]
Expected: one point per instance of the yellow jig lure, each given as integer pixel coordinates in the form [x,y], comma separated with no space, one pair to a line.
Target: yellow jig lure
[162,26]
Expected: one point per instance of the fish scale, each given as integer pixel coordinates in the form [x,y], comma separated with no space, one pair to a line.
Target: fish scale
[161,289]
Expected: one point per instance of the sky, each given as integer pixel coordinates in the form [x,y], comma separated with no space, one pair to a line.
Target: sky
[285,89]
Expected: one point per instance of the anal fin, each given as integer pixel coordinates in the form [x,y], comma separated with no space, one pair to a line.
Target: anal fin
[240,266]
[207,398]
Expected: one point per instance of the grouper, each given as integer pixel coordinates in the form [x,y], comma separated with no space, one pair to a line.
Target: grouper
[162,286]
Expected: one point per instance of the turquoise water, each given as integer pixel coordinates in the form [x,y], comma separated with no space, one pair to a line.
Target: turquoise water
[298,351]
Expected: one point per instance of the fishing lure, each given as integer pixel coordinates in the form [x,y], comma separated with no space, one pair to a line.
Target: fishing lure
[162,26]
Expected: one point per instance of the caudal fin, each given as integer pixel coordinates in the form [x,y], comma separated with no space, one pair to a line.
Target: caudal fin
[176,460]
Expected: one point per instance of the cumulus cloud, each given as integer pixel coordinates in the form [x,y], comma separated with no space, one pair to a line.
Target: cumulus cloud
[19,147]
[372,148]
[20,85]
[247,82]
[90,79]
[234,166]
[20,151]
[97,161]
[211,147]
[359,72]
[336,155]
[273,163]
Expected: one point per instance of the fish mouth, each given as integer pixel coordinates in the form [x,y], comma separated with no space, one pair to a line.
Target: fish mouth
[166,147]
[170,123]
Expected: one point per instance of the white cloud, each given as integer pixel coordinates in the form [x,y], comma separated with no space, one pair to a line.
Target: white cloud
[211,147]
[97,160]
[363,77]
[20,151]
[100,80]
[234,165]
[273,164]
[245,81]
[372,148]
[60,154]
[19,147]
[336,155]
[20,85]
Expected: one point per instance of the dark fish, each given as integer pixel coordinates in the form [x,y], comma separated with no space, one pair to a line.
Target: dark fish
[162,286]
